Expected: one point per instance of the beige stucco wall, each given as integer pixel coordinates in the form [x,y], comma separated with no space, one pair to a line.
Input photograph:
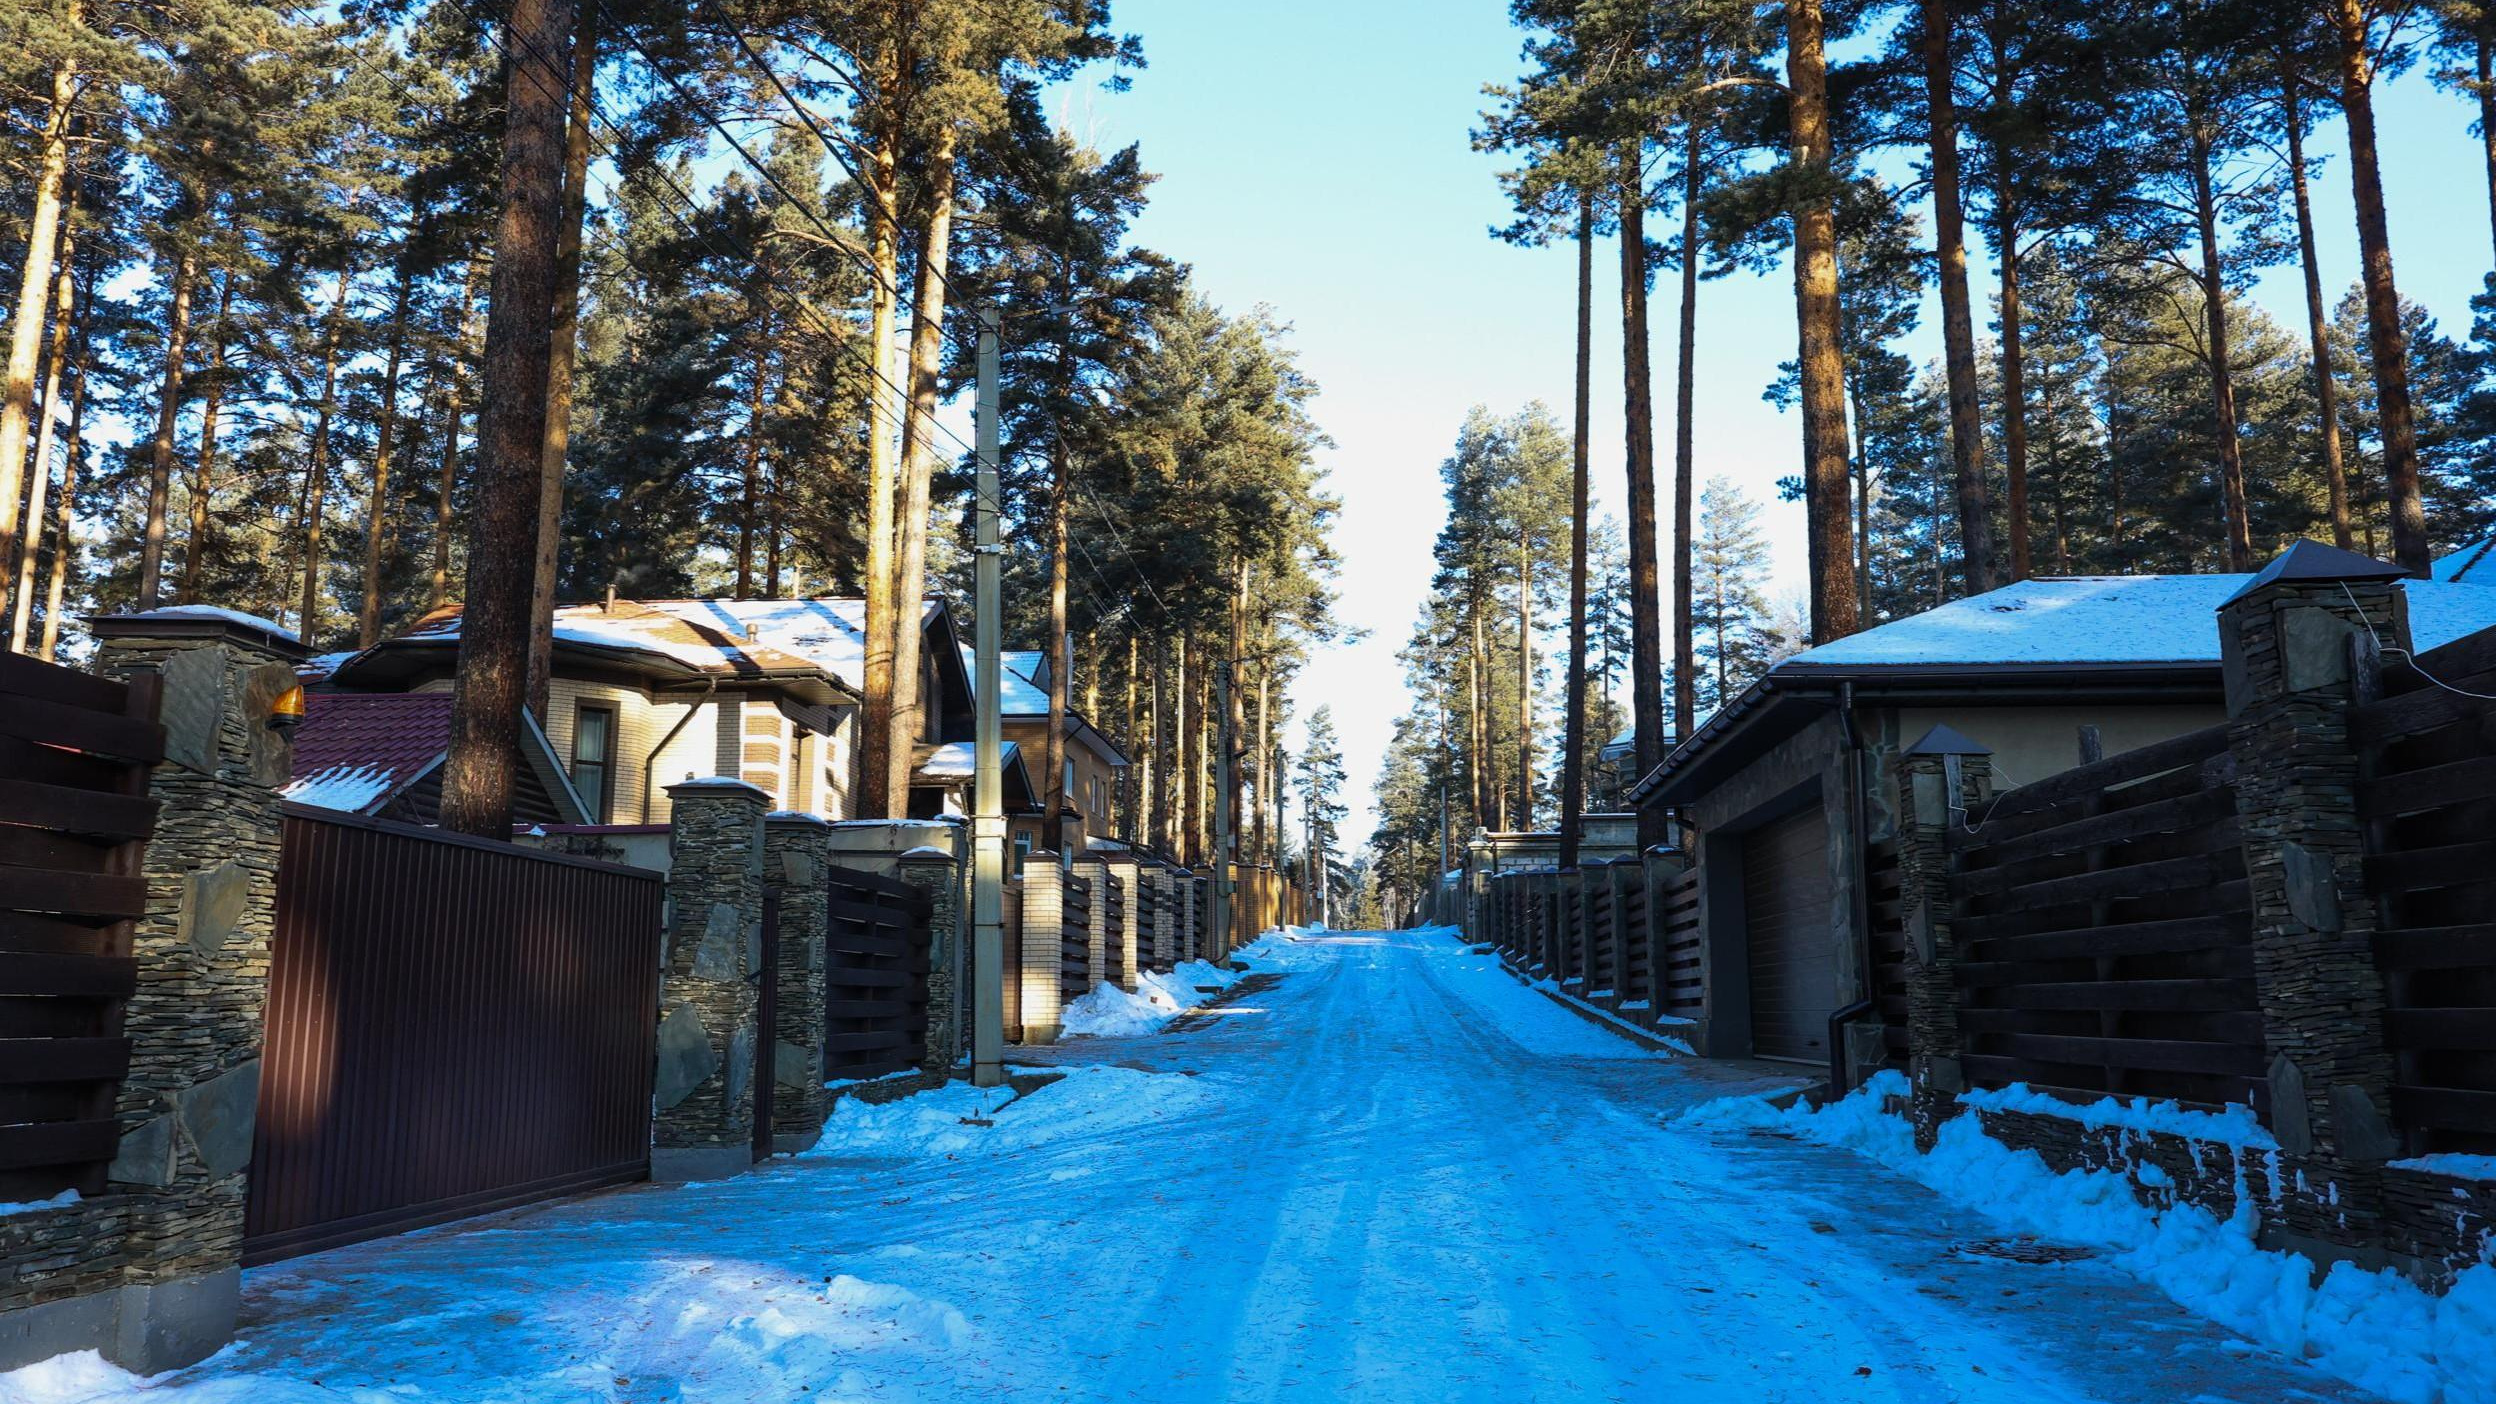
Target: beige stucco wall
[639,722]
[2031,743]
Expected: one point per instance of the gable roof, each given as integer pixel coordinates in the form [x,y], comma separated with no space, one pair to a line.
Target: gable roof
[1023,695]
[358,751]
[2134,637]
[664,641]
[2474,563]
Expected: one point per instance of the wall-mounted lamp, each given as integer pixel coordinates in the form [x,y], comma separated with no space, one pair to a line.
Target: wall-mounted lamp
[286,713]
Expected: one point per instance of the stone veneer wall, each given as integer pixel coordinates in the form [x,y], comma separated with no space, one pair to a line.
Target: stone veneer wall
[793,863]
[945,880]
[707,994]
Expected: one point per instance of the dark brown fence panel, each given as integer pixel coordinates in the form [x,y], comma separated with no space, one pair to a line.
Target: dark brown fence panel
[2104,930]
[1147,899]
[1624,889]
[875,975]
[1603,945]
[1681,992]
[75,816]
[454,1026]
[1074,951]
[1113,927]
[1888,909]
[2427,795]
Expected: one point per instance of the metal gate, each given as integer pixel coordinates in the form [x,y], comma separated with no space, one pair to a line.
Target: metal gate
[454,1026]
[1785,903]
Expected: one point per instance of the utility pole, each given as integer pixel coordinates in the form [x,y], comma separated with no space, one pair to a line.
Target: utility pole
[1224,841]
[987,773]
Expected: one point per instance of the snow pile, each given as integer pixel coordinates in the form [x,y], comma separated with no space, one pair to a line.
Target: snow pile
[2376,1330]
[2460,1167]
[62,1200]
[1534,1020]
[1091,1100]
[2236,1126]
[1110,1012]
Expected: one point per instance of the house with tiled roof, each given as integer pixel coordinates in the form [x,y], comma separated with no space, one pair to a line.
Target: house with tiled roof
[645,693]
[381,754]
[1094,768]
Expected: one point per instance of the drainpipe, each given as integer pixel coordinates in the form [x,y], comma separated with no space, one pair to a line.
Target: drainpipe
[1859,820]
[649,767]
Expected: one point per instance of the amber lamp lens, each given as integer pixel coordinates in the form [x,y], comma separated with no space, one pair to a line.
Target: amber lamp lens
[288,706]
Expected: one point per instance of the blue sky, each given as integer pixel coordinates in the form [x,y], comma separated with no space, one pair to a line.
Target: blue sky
[1314,156]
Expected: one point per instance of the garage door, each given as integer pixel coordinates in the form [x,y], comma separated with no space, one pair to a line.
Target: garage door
[1785,897]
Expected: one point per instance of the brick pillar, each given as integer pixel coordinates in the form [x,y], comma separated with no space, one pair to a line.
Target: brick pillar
[1479,919]
[944,879]
[1130,933]
[1044,916]
[1938,772]
[707,994]
[794,847]
[2297,648]
[172,1218]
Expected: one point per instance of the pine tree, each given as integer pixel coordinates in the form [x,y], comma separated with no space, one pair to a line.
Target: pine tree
[1729,602]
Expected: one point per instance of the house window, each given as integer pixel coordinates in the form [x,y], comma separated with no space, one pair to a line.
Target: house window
[593,759]
[1022,849]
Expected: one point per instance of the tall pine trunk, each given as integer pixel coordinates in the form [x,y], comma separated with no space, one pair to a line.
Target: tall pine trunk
[750,505]
[385,443]
[1125,828]
[39,472]
[204,466]
[2014,389]
[1053,749]
[563,351]
[1646,630]
[1237,710]
[2483,54]
[491,692]
[884,256]
[1182,772]
[65,515]
[316,475]
[1477,748]
[160,449]
[1685,438]
[2385,338]
[1821,357]
[1573,721]
[2317,326]
[1958,325]
[2222,375]
[34,293]
[1525,683]
[918,459]
[1265,764]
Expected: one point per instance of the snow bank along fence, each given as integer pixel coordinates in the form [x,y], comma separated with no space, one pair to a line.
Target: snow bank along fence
[1072,927]
[1619,934]
[2271,943]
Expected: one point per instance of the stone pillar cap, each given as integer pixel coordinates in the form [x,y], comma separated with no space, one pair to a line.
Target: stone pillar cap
[1943,741]
[720,784]
[791,816]
[200,622]
[2312,562]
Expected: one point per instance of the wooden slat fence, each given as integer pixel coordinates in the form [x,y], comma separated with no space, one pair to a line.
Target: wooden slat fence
[454,1026]
[2427,795]
[1888,908]
[1603,936]
[2103,927]
[1681,992]
[1113,926]
[1074,970]
[875,974]
[75,817]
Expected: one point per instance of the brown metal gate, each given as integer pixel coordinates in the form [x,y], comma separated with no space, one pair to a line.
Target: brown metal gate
[454,1026]
[875,975]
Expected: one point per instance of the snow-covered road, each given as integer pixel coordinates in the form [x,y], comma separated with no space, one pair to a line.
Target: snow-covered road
[1394,1175]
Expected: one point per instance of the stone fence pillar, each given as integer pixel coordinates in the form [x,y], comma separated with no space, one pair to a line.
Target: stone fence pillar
[794,845]
[1939,776]
[149,1271]
[943,878]
[708,991]
[1044,918]
[2297,649]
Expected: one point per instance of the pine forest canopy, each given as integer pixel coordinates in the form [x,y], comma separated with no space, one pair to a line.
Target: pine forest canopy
[337,314]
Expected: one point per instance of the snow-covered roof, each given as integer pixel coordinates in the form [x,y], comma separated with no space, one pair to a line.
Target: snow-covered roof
[1019,693]
[2104,620]
[230,616]
[2474,563]
[355,752]
[956,760]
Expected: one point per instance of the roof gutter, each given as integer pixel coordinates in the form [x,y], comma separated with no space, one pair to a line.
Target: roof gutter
[1859,819]
[650,764]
